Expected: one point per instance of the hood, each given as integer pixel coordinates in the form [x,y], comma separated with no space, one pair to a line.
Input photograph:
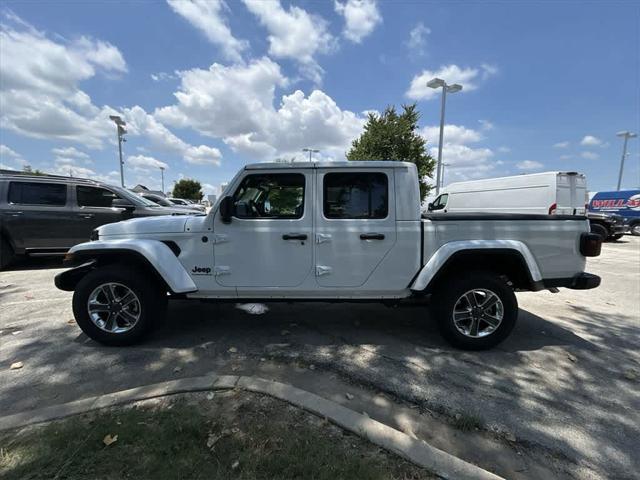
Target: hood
[157,224]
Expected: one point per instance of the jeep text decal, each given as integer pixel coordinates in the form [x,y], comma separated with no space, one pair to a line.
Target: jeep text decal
[201,270]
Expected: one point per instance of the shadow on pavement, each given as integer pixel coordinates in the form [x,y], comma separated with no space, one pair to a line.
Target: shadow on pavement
[544,383]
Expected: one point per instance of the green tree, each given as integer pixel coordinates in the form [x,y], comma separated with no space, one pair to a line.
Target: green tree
[189,189]
[393,136]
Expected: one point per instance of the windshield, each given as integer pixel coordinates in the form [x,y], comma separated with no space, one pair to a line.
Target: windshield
[159,200]
[133,198]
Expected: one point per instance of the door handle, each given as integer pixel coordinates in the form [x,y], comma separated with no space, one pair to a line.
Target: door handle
[294,236]
[86,215]
[371,236]
[16,214]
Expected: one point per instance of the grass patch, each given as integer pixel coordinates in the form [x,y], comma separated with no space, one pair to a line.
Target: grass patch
[235,435]
[467,422]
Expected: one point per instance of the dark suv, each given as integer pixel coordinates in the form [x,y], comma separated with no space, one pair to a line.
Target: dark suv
[45,215]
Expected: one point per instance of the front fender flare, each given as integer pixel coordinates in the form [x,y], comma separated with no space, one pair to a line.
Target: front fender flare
[155,254]
[440,257]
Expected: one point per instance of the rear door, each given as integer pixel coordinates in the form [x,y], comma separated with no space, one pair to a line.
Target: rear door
[355,224]
[37,216]
[571,193]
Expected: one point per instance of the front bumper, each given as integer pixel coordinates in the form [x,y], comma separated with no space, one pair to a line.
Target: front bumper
[581,281]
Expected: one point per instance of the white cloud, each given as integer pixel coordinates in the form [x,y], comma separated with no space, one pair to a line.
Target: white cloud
[453,134]
[590,141]
[361,18]
[590,155]
[139,122]
[236,103]
[70,152]
[462,162]
[561,145]
[8,152]
[486,125]
[10,159]
[417,42]
[143,163]
[162,76]
[40,92]
[529,165]
[467,77]
[294,34]
[208,17]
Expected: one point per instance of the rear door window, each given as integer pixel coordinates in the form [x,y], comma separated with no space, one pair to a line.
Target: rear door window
[94,196]
[37,193]
[356,195]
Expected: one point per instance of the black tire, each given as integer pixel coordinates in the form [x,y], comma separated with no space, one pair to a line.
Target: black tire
[599,230]
[152,303]
[451,292]
[635,229]
[7,256]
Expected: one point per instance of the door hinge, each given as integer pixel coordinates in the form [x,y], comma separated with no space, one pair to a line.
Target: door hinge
[322,270]
[220,238]
[323,237]
[221,270]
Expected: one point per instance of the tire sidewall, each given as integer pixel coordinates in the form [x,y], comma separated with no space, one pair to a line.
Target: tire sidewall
[635,229]
[453,288]
[600,230]
[152,304]
[6,253]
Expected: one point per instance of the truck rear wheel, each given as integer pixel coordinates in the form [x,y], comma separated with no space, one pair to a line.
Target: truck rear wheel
[115,305]
[635,229]
[599,230]
[6,253]
[475,311]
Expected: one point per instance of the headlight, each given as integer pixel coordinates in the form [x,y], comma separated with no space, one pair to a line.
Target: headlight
[94,235]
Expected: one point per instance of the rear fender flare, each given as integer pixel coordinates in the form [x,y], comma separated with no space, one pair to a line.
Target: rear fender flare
[446,251]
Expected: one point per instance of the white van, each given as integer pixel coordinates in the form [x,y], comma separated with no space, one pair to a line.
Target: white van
[548,193]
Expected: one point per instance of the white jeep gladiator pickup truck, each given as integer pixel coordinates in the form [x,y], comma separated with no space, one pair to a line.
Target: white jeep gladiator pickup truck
[343,231]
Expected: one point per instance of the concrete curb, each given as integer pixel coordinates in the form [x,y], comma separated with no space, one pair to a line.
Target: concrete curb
[415,450]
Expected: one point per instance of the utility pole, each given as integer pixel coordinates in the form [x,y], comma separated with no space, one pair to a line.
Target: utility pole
[162,173]
[626,136]
[311,152]
[439,83]
[121,131]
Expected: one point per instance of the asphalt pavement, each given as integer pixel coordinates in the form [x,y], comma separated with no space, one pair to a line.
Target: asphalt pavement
[566,384]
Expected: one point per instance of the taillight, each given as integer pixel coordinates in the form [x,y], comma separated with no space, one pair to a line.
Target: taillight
[553,208]
[590,244]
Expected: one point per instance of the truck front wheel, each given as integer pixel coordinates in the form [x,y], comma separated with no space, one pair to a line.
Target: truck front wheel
[475,311]
[115,305]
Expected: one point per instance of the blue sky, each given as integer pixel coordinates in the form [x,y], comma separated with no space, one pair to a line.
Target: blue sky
[206,87]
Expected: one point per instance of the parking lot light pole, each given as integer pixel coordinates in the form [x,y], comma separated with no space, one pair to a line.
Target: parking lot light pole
[627,136]
[121,131]
[311,151]
[439,83]
[162,174]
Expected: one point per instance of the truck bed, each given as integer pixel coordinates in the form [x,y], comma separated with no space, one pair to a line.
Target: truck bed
[553,240]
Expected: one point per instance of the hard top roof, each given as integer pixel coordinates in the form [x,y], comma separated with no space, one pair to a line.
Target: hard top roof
[344,164]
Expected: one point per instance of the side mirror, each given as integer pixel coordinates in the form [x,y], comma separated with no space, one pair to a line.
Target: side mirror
[226,209]
[430,206]
[122,203]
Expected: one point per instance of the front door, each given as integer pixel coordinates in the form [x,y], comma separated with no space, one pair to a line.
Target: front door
[269,241]
[355,224]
